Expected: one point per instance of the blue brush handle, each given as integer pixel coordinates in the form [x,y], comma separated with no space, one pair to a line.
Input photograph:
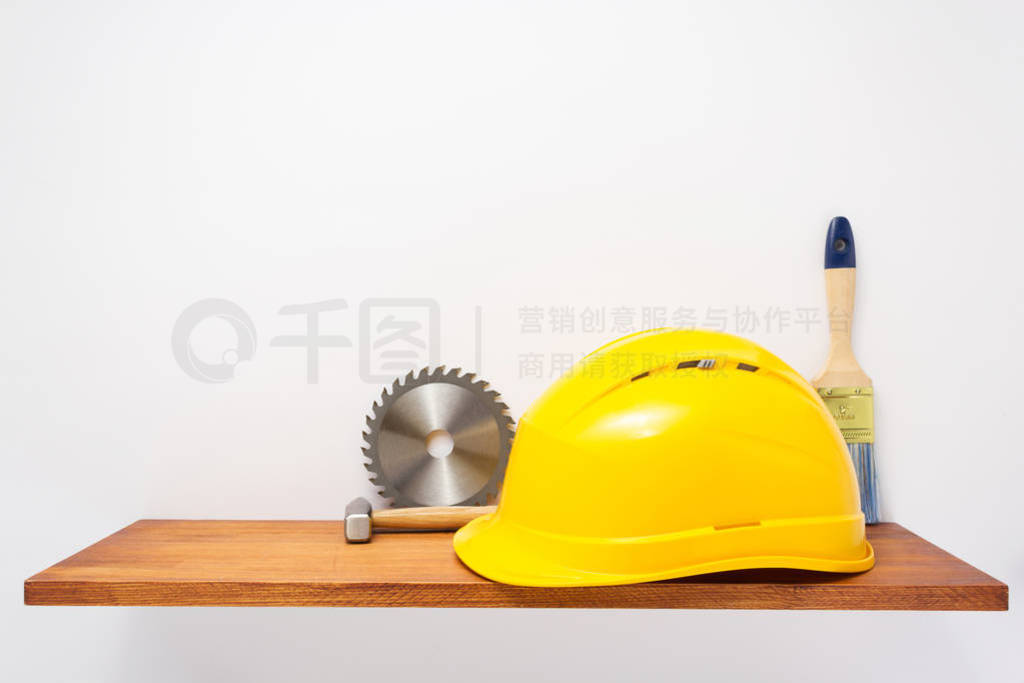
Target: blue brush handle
[839,249]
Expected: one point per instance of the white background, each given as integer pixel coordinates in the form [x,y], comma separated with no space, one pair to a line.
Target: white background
[498,155]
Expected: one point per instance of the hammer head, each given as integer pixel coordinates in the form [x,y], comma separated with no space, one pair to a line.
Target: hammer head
[358,521]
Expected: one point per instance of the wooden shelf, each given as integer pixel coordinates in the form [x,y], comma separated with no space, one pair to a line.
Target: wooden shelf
[288,563]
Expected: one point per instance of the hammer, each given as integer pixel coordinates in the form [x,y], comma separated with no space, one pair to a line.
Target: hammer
[360,519]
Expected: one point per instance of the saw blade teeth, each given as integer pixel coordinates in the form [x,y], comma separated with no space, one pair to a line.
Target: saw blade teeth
[496,410]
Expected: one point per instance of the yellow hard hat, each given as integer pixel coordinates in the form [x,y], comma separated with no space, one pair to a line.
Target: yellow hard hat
[670,453]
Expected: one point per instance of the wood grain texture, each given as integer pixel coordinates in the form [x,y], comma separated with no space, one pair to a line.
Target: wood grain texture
[297,563]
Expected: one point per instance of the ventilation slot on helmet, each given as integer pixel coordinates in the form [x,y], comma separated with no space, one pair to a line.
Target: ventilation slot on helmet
[748,368]
[704,364]
[640,376]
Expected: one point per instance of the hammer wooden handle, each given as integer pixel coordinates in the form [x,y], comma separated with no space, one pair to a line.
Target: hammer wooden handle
[435,518]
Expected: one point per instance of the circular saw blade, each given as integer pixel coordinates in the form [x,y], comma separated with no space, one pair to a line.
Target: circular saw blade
[421,404]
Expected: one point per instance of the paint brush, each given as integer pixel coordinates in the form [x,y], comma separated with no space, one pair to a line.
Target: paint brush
[844,386]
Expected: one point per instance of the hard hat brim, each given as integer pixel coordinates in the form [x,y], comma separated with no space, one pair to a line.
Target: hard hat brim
[511,554]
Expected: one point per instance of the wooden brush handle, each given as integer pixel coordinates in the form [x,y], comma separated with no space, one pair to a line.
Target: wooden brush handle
[840,287]
[841,367]
[433,518]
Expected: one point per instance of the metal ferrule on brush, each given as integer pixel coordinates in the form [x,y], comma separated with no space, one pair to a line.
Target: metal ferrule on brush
[854,411]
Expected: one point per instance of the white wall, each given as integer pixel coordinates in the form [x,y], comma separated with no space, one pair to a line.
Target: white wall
[497,155]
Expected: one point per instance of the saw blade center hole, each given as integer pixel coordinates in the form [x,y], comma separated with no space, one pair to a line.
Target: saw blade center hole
[440,443]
